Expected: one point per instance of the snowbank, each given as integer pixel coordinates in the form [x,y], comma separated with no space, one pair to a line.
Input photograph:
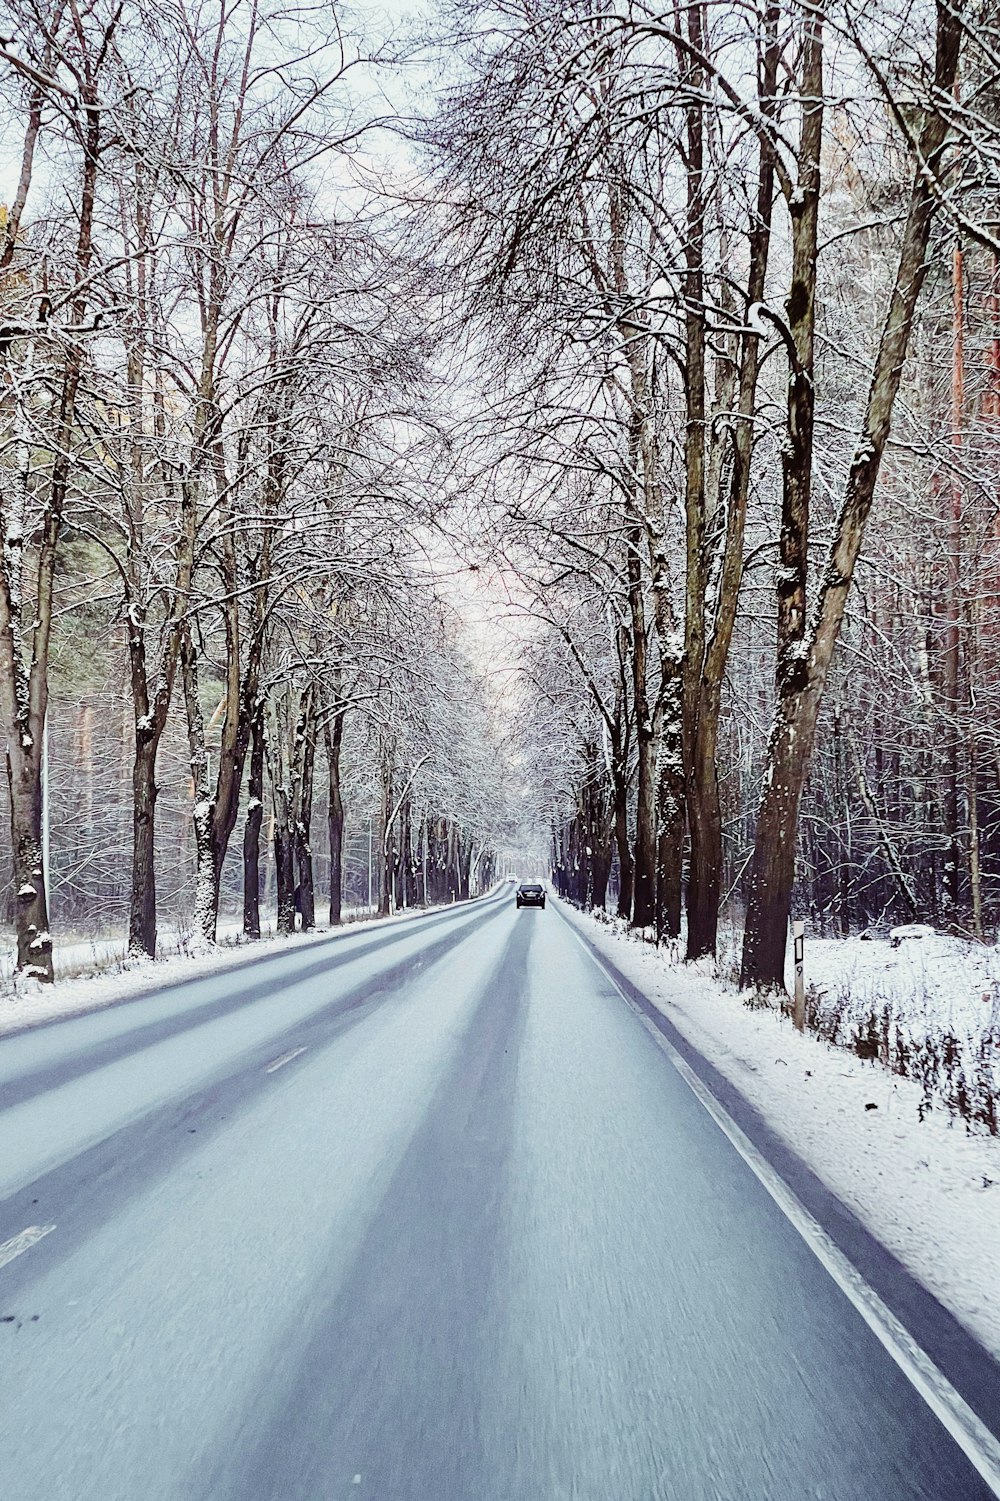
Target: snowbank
[121,977]
[926,1189]
[30,1005]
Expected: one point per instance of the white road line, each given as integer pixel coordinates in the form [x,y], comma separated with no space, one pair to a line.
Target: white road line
[285,1058]
[977,1442]
[23,1242]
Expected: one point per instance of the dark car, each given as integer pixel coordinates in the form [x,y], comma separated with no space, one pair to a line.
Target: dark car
[530,894]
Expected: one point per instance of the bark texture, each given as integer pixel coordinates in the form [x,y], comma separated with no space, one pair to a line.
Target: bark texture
[801,689]
[252,827]
[725,530]
[333,732]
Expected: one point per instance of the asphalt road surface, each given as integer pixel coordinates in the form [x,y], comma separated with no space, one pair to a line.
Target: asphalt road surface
[419,1214]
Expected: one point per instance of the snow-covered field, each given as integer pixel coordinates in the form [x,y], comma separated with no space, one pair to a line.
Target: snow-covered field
[949,981]
[925,1005]
[927,1188]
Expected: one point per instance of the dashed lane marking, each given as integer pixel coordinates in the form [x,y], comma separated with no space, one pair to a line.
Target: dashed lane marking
[23,1242]
[272,1068]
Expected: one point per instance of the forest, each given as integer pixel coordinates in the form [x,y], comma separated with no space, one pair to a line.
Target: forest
[511,434]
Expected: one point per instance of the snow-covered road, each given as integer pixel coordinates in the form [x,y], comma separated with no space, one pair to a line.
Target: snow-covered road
[418,1215]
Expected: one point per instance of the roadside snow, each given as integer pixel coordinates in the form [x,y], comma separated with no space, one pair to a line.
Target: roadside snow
[29,1004]
[927,1005]
[926,975]
[926,1189]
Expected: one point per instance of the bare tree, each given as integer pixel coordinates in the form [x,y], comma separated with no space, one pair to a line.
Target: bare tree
[51,303]
[805,655]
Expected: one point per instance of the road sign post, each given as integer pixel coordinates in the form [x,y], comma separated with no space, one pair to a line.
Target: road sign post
[799,939]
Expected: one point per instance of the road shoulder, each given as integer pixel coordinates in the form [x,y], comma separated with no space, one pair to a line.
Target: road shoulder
[130,978]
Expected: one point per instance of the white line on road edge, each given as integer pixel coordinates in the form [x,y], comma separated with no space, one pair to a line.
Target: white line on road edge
[272,1068]
[978,1444]
[23,1242]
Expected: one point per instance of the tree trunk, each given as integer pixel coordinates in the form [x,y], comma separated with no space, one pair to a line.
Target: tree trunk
[704,891]
[284,870]
[306,883]
[601,870]
[644,858]
[216,807]
[842,804]
[251,829]
[206,896]
[150,718]
[975,870]
[333,731]
[600,835]
[384,862]
[454,865]
[142,904]
[422,843]
[206,890]
[704,812]
[464,868]
[682,672]
[625,867]
[800,690]
[773,869]
[282,794]
[305,758]
[671,809]
[24,686]
[409,883]
[953,605]
[34,942]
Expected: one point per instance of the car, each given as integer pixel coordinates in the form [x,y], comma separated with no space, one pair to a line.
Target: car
[531,894]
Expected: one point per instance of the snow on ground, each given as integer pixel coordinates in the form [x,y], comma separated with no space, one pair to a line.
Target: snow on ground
[119,977]
[927,1189]
[930,978]
[925,1004]
[76,953]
